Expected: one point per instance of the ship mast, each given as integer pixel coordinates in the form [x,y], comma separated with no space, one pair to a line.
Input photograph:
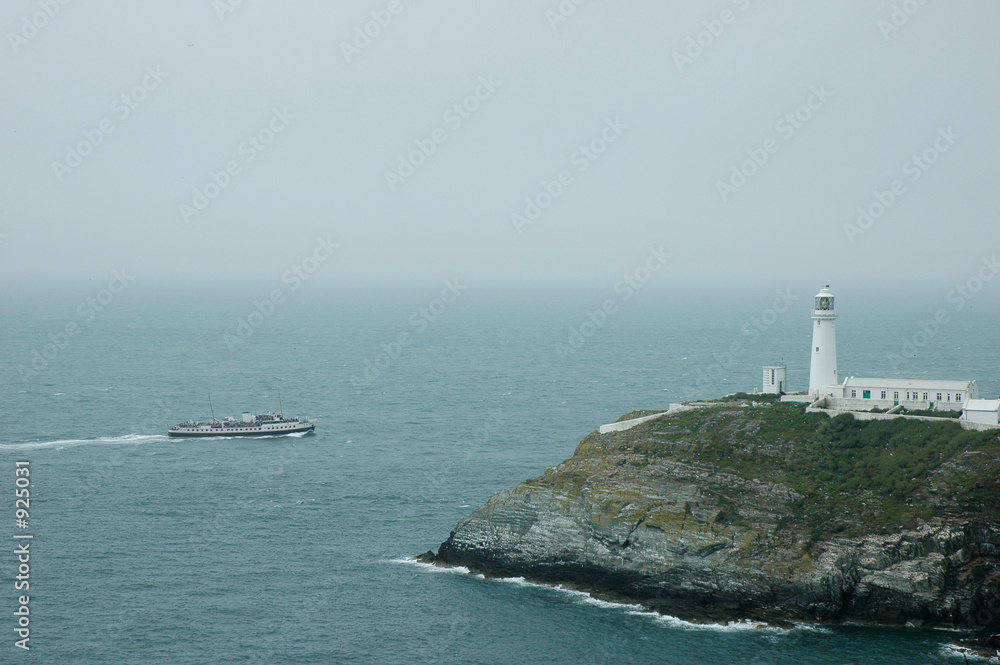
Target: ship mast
[281,409]
[211,407]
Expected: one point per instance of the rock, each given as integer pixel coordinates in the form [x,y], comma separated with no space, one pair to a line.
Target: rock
[986,646]
[641,515]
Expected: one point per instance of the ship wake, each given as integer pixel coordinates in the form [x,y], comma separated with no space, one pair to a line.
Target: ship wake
[128,439]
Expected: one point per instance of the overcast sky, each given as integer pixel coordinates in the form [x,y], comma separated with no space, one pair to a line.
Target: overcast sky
[184,85]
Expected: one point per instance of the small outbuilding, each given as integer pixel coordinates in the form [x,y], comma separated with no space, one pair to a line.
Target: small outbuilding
[774,379]
[985,411]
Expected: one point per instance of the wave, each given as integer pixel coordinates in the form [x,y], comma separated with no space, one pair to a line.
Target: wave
[957,651]
[431,568]
[729,627]
[128,439]
[633,609]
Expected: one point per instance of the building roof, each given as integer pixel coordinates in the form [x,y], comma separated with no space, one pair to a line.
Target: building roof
[907,384]
[983,405]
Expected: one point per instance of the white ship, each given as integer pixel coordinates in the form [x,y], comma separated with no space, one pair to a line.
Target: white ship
[269,424]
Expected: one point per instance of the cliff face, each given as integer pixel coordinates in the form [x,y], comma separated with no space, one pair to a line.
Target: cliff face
[761,512]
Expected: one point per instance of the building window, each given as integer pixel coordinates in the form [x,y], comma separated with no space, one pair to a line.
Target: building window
[949,397]
[895,395]
[867,394]
[939,397]
[958,397]
[907,394]
[817,349]
[854,393]
[883,394]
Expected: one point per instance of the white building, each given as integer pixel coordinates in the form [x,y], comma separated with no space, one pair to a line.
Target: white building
[986,411]
[774,379]
[823,368]
[911,393]
[866,394]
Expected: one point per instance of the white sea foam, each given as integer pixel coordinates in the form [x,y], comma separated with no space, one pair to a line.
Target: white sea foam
[732,626]
[432,568]
[633,609]
[128,439]
[517,581]
[814,627]
[961,652]
[588,599]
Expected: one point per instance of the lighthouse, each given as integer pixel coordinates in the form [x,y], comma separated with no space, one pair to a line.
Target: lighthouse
[823,368]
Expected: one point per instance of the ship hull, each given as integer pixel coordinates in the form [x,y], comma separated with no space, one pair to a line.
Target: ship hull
[199,433]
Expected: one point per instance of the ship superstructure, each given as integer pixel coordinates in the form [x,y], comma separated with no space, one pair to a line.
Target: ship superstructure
[269,424]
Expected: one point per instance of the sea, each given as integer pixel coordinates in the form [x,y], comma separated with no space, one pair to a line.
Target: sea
[427,399]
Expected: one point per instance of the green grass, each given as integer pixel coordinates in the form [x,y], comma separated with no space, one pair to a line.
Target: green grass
[855,476]
[748,397]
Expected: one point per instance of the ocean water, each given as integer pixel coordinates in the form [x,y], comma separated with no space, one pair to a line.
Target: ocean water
[298,549]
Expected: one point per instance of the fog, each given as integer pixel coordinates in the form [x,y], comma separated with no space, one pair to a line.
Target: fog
[540,144]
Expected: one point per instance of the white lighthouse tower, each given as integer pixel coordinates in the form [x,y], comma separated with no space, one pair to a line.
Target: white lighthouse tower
[823,368]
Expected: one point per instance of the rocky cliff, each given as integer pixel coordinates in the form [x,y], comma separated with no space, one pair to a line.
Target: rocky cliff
[758,510]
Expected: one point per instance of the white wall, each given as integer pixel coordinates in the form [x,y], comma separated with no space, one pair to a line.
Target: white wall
[778,384]
[876,394]
[862,404]
[629,424]
[861,415]
[985,417]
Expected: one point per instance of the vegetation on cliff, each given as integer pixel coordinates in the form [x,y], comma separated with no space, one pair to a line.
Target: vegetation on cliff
[752,508]
[851,476]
